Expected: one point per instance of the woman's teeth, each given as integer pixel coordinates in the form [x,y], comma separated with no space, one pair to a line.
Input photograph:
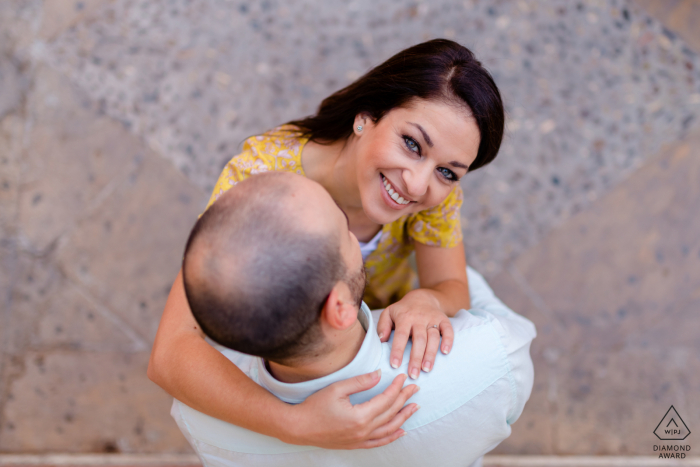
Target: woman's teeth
[394,195]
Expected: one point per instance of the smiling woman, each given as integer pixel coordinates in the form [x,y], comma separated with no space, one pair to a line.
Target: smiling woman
[390,150]
[421,169]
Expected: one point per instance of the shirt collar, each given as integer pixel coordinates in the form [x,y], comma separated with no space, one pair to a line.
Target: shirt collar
[366,360]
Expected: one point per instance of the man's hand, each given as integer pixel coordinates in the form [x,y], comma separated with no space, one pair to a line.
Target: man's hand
[328,420]
[416,315]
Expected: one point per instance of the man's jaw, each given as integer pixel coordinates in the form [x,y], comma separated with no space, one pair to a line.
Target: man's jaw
[323,361]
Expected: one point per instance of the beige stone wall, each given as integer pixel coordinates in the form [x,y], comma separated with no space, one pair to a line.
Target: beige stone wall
[92,224]
[94,215]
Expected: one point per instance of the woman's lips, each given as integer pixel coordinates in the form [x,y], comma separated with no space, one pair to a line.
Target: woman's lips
[388,199]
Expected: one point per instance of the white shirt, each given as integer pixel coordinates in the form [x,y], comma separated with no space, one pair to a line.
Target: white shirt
[468,401]
[368,247]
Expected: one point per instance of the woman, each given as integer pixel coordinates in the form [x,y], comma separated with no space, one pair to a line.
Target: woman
[390,149]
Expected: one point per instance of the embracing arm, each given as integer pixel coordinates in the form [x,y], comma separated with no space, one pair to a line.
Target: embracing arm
[195,373]
[181,360]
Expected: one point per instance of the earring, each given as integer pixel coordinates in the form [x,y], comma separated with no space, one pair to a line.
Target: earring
[359,127]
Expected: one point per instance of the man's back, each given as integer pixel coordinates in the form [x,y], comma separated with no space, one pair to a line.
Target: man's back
[468,400]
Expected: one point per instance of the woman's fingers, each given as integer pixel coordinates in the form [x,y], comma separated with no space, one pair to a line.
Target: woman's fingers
[327,419]
[448,336]
[385,419]
[395,423]
[384,325]
[401,335]
[420,339]
[431,348]
[375,443]
[381,403]
[398,404]
[358,383]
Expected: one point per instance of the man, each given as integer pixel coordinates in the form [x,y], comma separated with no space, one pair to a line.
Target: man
[272,270]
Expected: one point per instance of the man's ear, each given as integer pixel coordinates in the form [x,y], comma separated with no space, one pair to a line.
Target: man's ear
[339,311]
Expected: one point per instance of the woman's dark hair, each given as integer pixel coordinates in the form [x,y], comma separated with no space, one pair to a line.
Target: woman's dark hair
[439,69]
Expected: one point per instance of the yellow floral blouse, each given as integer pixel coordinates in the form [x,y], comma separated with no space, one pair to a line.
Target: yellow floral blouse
[389,274]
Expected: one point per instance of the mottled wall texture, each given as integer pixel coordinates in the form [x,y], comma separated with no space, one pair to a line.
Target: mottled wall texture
[116,117]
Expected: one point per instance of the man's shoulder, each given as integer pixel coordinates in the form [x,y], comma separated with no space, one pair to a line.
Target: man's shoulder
[489,363]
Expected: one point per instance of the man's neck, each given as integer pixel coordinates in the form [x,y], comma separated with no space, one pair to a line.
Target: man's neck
[346,344]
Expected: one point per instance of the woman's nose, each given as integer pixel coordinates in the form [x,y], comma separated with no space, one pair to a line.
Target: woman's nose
[417,180]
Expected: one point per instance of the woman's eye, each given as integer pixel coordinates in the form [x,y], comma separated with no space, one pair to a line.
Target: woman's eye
[448,174]
[411,144]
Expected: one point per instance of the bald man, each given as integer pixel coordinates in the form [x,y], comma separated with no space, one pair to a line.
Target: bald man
[275,279]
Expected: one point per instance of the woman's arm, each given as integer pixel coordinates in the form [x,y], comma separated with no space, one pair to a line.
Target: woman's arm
[443,291]
[442,272]
[198,375]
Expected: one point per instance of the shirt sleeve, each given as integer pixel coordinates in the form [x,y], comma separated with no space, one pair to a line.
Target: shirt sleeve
[439,226]
[516,333]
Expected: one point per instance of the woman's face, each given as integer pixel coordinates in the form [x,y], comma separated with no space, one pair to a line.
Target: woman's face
[413,157]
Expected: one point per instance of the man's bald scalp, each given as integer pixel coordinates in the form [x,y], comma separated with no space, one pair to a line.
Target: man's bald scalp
[255,277]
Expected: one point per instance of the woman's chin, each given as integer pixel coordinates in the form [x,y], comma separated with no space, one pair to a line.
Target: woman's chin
[383,215]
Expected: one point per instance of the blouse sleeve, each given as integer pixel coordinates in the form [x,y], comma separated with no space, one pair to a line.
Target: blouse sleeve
[240,167]
[439,226]
[277,149]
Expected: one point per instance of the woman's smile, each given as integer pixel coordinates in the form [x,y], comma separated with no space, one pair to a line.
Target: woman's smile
[417,153]
[392,196]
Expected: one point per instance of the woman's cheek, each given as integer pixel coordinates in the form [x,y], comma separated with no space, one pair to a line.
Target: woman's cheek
[441,195]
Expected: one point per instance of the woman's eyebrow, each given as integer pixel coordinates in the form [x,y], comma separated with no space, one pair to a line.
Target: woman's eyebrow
[430,143]
[425,135]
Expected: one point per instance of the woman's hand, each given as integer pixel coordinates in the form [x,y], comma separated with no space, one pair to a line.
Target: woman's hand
[328,420]
[417,315]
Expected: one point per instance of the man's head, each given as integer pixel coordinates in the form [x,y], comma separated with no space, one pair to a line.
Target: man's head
[266,261]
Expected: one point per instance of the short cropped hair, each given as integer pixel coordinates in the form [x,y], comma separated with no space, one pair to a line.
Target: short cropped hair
[255,279]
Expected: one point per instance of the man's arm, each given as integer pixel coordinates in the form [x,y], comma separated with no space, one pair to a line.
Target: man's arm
[516,334]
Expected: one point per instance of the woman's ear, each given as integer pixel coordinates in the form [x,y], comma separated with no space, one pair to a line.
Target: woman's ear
[339,312]
[360,123]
